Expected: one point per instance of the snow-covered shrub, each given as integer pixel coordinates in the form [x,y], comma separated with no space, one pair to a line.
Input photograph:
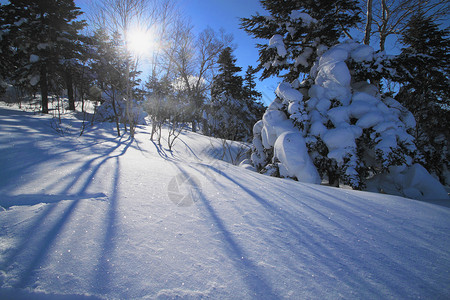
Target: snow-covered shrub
[413,182]
[333,126]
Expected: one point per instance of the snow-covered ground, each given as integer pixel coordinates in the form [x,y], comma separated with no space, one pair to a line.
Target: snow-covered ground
[101,217]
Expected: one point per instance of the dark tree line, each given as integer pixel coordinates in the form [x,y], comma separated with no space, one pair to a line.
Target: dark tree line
[423,72]
[45,51]
[41,45]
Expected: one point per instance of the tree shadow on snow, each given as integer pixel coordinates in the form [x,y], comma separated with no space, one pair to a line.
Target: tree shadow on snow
[361,265]
[73,187]
[251,274]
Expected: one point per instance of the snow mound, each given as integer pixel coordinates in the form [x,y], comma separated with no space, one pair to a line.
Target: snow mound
[294,161]
[412,182]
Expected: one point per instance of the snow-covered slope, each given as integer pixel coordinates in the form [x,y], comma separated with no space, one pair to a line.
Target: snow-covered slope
[101,217]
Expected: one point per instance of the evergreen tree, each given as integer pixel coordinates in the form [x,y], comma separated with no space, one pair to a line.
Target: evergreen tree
[227,99]
[250,85]
[340,128]
[252,96]
[298,31]
[227,82]
[41,35]
[423,71]
[233,106]
[72,50]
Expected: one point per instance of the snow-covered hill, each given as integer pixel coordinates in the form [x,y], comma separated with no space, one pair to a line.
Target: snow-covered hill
[101,217]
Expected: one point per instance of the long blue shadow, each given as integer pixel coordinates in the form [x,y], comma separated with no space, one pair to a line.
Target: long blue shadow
[104,271]
[8,201]
[369,265]
[252,276]
[45,245]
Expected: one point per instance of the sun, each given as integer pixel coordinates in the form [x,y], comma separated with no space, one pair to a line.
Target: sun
[140,42]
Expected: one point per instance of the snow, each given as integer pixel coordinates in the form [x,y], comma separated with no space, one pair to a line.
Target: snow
[362,53]
[335,79]
[339,115]
[414,182]
[287,93]
[302,59]
[341,137]
[34,79]
[91,217]
[370,119]
[34,58]
[417,177]
[290,149]
[306,18]
[275,123]
[276,41]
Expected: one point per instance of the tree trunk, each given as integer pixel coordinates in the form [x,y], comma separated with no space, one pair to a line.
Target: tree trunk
[70,95]
[333,178]
[382,41]
[44,89]
[385,20]
[368,28]
[116,117]
[205,128]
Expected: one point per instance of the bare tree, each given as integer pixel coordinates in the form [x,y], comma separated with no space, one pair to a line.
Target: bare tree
[368,28]
[121,16]
[194,60]
[118,15]
[390,17]
[174,131]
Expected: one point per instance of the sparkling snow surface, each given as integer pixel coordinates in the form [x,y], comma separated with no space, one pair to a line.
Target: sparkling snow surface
[101,217]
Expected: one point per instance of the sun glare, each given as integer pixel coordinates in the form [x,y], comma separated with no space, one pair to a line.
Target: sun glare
[141,42]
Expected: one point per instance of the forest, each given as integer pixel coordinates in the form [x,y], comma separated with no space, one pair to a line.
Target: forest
[90,62]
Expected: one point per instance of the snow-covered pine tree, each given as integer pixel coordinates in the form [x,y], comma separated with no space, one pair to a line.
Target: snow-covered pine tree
[336,123]
[298,31]
[233,112]
[340,124]
[423,71]
[39,34]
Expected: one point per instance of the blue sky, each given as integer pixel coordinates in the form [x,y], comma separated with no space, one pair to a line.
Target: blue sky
[226,14]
